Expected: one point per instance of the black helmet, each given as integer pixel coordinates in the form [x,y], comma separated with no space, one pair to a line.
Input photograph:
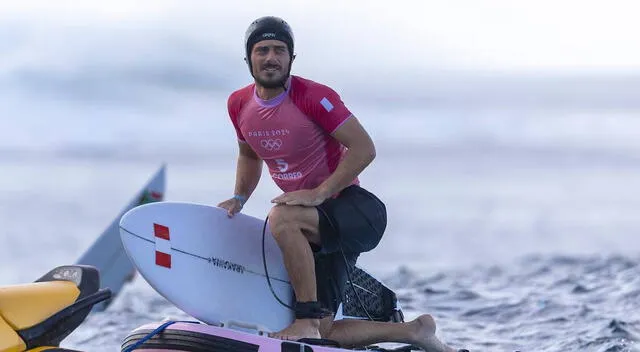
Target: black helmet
[264,28]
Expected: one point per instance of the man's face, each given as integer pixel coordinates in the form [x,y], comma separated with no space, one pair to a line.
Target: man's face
[270,61]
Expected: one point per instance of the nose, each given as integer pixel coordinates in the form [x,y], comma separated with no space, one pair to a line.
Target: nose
[271,55]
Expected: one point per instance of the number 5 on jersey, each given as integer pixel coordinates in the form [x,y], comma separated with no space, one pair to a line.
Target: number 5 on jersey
[283,166]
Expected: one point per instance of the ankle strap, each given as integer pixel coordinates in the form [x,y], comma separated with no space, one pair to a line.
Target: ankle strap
[311,310]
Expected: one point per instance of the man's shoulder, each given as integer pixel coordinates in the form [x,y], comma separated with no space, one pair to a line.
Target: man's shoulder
[308,86]
[238,98]
[242,93]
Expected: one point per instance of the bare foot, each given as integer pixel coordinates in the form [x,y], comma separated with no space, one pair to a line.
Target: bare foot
[424,335]
[301,328]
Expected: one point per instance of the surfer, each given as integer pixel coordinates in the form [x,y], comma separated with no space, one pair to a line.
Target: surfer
[315,149]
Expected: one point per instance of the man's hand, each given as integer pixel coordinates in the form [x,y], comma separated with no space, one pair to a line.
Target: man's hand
[304,197]
[232,206]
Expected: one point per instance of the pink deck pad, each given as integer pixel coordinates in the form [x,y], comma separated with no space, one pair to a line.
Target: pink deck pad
[266,343]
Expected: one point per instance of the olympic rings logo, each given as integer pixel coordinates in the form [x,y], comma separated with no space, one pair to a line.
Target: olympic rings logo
[271,144]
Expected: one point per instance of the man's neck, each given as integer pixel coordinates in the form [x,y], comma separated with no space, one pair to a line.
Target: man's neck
[268,93]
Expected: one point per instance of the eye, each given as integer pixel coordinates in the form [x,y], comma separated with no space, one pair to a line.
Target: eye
[262,50]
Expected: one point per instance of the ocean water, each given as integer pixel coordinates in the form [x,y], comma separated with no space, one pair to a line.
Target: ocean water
[517,229]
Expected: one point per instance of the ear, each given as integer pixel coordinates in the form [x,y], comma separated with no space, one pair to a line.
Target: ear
[293,57]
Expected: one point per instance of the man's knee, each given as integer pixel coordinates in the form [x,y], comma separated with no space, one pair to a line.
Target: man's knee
[285,219]
[282,218]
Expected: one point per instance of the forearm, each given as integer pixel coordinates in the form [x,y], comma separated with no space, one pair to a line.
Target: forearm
[248,174]
[353,163]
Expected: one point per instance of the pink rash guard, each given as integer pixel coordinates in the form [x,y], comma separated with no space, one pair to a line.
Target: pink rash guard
[292,132]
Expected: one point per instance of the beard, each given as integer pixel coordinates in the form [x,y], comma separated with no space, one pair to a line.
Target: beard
[272,81]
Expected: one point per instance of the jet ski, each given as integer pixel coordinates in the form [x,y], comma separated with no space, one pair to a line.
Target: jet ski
[37,316]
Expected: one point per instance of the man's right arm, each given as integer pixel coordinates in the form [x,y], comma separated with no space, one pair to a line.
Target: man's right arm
[248,172]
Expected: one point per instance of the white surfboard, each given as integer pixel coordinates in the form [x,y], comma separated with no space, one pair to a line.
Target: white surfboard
[209,265]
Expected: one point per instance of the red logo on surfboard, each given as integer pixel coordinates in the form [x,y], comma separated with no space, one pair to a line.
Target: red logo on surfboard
[163,245]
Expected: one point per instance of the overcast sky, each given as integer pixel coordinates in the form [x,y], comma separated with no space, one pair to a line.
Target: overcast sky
[196,43]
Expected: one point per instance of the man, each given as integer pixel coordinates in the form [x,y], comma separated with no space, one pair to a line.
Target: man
[314,149]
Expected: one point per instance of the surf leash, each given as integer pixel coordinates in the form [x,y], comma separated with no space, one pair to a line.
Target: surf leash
[264,262]
[153,333]
[344,257]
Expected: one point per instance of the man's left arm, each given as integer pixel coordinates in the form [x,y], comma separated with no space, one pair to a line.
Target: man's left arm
[325,107]
[360,153]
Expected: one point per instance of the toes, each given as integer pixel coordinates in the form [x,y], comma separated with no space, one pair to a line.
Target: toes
[284,337]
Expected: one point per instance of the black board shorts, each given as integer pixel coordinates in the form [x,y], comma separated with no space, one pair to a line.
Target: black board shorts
[350,224]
